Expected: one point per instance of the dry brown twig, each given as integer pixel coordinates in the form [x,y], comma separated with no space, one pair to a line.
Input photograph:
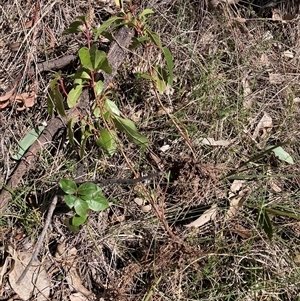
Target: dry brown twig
[40,240]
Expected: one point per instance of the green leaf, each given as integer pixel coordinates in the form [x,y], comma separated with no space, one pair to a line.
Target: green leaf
[74,27]
[27,141]
[98,203]
[145,12]
[82,18]
[107,141]
[154,38]
[68,222]
[81,207]
[128,127]
[68,186]
[98,88]
[74,95]
[266,223]
[71,123]
[78,220]
[281,154]
[83,142]
[136,42]
[96,56]
[170,64]
[111,107]
[70,200]
[85,58]
[81,73]
[105,66]
[94,59]
[55,99]
[105,25]
[87,188]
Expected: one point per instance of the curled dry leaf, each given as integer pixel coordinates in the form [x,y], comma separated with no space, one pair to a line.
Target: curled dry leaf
[264,126]
[36,282]
[26,100]
[208,215]
[5,99]
[236,198]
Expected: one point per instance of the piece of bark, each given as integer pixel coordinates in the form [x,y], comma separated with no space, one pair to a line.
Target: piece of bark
[115,57]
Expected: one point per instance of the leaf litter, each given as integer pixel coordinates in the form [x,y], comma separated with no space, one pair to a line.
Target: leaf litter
[36,282]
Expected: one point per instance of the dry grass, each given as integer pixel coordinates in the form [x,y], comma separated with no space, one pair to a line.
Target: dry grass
[228,74]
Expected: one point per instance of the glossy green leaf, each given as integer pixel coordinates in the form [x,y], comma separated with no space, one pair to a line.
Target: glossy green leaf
[107,141]
[27,141]
[170,64]
[111,107]
[87,188]
[85,58]
[68,186]
[78,220]
[105,25]
[281,154]
[81,207]
[98,87]
[128,127]
[98,203]
[74,95]
[70,200]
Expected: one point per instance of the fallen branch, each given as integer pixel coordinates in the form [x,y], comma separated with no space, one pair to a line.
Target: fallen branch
[115,57]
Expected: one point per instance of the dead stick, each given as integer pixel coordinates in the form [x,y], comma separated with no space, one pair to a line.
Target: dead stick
[40,240]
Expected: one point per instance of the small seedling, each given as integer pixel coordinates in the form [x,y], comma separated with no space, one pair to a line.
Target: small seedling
[81,199]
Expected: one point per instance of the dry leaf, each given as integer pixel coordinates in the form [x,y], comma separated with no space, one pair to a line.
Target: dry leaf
[69,258]
[8,94]
[264,125]
[288,54]
[235,202]
[26,99]
[276,78]
[14,46]
[36,281]
[78,297]
[146,208]
[248,99]
[277,15]
[264,60]
[239,20]
[208,215]
[242,231]
[164,148]
[213,142]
